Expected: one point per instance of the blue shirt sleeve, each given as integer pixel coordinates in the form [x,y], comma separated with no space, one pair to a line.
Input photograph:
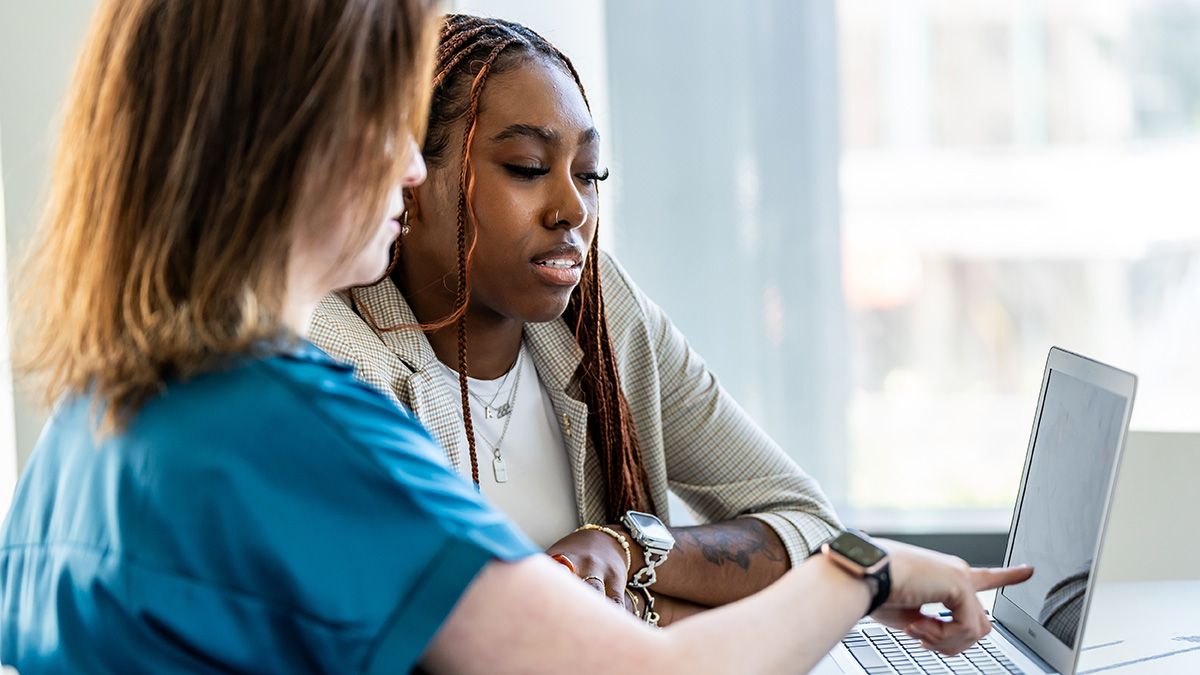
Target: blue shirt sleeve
[414,534]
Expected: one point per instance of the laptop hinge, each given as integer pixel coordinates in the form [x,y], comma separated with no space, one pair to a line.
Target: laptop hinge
[1016,644]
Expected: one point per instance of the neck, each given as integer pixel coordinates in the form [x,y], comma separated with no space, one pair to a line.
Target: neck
[492,347]
[298,313]
[493,341]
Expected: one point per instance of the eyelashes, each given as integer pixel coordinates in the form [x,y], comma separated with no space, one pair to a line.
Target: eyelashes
[596,176]
[532,171]
[526,170]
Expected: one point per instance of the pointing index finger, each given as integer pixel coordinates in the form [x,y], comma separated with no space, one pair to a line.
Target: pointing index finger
[987,578]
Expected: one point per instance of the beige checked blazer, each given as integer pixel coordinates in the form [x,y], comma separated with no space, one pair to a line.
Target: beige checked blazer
[696,441]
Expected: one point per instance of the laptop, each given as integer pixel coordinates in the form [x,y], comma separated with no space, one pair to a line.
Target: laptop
[1067,485]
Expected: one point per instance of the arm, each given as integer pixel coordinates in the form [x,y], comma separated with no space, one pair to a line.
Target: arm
[710,565]
[716,459]
[529,617]
[716,564]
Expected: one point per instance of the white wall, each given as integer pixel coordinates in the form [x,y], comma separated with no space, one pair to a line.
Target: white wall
[8,456]
[1151,532]
[39,42]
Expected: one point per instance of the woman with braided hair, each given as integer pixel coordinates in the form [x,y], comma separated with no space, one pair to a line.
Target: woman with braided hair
[566,394]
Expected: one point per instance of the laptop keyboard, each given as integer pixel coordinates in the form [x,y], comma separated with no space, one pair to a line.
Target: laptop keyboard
[881,650]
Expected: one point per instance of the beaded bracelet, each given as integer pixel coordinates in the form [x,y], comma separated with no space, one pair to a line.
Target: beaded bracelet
[620,539]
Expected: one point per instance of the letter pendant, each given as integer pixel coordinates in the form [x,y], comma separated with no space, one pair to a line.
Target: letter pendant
[499,469]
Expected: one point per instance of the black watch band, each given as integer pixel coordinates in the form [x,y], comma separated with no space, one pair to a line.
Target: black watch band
[883,589]
[881,576]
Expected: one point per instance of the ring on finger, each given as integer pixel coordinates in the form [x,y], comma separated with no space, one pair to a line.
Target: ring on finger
[593,576]
[564,561]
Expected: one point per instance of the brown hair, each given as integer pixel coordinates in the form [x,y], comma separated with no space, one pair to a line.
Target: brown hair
[471,48]
[199,138]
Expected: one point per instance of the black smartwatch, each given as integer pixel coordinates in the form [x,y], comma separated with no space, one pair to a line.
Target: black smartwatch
[854,552]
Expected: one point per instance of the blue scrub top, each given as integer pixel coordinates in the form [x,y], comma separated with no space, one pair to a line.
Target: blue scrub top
[276,517]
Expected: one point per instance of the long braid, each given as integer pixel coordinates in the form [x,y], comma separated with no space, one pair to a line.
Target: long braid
[610,421]
[466,185]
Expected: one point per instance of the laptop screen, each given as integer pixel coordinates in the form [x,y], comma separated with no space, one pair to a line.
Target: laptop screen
[1062,509]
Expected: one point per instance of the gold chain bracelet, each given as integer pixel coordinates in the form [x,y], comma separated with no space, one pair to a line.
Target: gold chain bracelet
[620,540]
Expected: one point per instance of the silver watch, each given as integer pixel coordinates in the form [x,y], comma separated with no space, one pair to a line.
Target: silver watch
[656,542]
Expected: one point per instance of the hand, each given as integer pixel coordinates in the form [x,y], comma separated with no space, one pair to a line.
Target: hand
[598,559]
[920,576]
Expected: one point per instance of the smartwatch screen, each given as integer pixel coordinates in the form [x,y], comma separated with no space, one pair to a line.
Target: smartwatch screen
[650,526]
[856,549]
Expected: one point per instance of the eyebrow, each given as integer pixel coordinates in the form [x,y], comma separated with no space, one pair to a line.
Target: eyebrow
[544,134]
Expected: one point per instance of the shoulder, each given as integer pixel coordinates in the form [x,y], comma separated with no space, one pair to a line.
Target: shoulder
[624,301]
[391,446]
[633,318]
[618,285]
[324,397]
[340,332]
[373,329]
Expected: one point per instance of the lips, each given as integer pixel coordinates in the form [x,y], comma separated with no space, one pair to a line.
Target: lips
[560,263]
[560,266]
[560,257]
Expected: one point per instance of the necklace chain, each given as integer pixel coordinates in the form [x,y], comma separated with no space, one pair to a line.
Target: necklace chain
[498,467]
[489,411]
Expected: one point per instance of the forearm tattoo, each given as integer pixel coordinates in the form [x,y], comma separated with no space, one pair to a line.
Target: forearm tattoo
[736,542]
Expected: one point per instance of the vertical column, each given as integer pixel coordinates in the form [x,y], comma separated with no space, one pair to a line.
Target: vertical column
[726,139]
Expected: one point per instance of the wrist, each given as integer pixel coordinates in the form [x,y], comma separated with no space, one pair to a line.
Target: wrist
[618,538]
[655,541]
[858,591]
[636,552]
[860,556]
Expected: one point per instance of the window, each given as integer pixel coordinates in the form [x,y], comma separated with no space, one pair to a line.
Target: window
[1015,175]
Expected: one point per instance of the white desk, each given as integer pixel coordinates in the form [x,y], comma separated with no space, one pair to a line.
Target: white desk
[1143,628]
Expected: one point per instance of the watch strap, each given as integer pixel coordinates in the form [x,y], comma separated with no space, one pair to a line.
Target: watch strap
[882,577]
[654,551]
[648,574]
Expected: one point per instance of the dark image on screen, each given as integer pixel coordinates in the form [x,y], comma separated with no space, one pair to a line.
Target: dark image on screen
[1063,502]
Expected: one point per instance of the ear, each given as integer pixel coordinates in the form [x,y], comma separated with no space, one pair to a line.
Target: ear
[412,204]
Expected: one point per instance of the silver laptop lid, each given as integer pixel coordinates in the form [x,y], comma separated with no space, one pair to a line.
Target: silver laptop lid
[1070,470]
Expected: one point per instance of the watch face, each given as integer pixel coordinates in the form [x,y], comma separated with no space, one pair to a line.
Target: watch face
[651,527]
[857,549]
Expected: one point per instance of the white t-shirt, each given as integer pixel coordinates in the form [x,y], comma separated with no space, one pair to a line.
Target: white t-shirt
[539,494]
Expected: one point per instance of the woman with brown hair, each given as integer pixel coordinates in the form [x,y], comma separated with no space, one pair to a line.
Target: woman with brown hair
[223,165]
[212,494]
[544,371]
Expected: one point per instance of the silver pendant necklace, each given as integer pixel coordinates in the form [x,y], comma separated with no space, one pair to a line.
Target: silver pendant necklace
[505,410]
[499,470]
